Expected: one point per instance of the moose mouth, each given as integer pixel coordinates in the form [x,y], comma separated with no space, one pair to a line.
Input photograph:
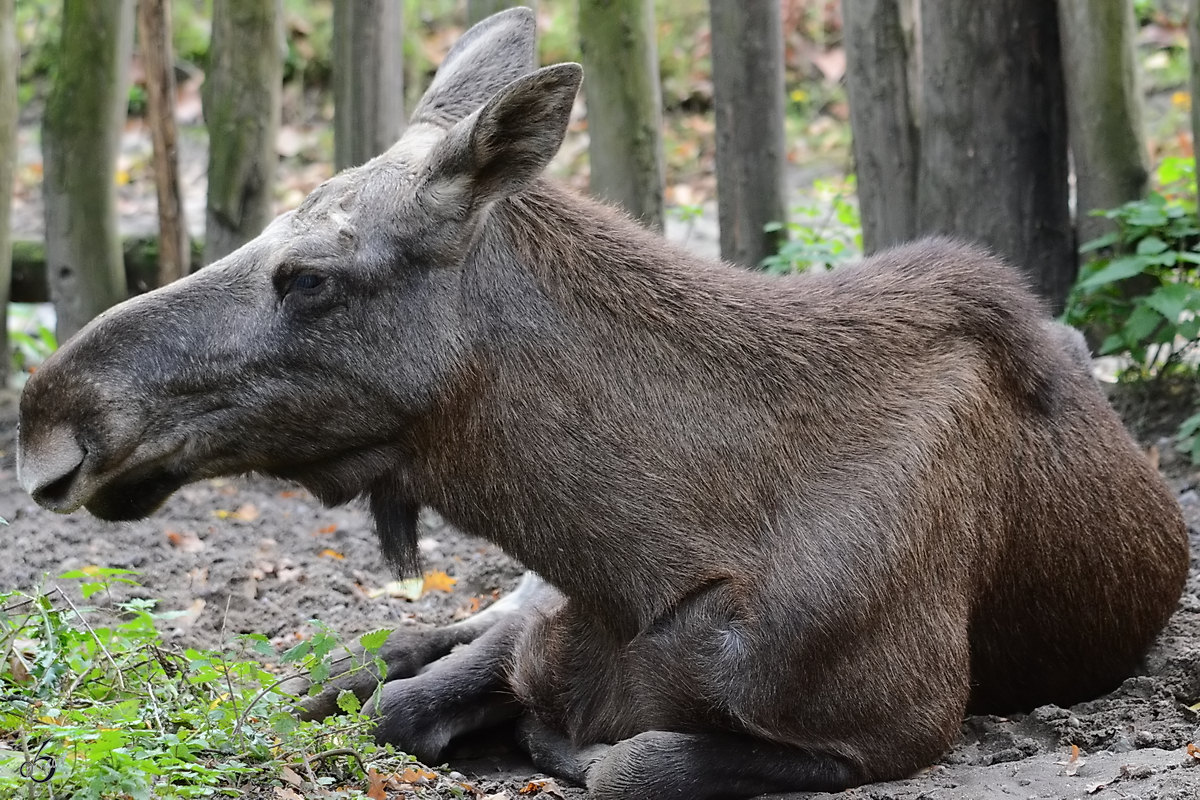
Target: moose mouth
[134,496]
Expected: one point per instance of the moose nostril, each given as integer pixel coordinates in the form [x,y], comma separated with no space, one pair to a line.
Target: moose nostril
[49,465]
[56,492]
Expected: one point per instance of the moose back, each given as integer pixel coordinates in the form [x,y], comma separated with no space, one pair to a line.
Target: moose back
[785,531]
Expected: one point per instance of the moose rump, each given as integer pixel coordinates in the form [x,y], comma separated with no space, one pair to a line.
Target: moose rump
[783,532]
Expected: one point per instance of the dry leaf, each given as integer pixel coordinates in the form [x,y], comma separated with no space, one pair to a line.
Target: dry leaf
[291,494]
[327,553]
[1073,763]
[1095,787]
[438,581]
[187,541]
[289,775]
[417,775]
[287,793]
[188,618]
[408,589]
[246,513]
[468,609]
[545,786]
[327,529]
[376,785]
[1193,751]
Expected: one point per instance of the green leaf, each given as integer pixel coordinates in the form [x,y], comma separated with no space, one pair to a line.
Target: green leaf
[1141,323]
[1107,240]
[1170,300]
[1112,344]
[320,672]
[1189,426]
[1189,328]
[1151,246]
[347,701]
[1118,269]
[374,640]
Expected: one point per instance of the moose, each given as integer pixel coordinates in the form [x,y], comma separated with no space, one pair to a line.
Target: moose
[783,532]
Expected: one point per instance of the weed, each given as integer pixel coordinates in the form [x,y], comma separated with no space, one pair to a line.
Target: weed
[835,237]
[94,704]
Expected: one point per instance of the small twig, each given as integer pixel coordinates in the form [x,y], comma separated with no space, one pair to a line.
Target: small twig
[312,777]
[340,751]
[100,644]
[237,729]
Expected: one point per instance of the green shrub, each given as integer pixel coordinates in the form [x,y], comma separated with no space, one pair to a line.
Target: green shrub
[821,234]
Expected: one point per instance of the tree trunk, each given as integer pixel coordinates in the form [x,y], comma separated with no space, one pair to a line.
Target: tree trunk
[368,79]
[10,62]
[994,135]
[241,106]
[154,28]
[747,67]
[624,105]
[886,141]
[81,136]
[1193,26]
[481,9]
[1104,108]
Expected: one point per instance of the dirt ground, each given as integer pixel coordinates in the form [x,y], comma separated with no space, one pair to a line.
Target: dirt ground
[251,554]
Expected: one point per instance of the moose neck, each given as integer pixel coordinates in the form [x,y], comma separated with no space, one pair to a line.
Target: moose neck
[624,390]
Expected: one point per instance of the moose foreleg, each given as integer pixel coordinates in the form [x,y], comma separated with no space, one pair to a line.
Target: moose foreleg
[405,653]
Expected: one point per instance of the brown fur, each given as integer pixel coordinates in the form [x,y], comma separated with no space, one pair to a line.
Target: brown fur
[793,527]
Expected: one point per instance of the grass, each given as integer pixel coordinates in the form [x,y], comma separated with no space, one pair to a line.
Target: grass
[95,704]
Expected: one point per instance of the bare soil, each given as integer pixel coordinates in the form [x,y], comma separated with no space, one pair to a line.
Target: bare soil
[257,555]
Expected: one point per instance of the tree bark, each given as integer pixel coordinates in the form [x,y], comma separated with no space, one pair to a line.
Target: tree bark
[886,141]
[154,28]
[1193,26]
[81,137]
[481,9]
[1104,108]
[993,164]
[747,66]
[140,254]
[368,79]
[624,105]
[10,62]
[241,107]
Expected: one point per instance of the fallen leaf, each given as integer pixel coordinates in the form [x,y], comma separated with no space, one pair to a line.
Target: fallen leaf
[188,618]
[1095,787]
[1073,763]
[408,589]
[468,609]
[1193,751]
[376,785]
[287,793]
[187,541]
[246,513]
[326,530]
[290,494]
[327,553]
[417,775]
[546,786]
[289,775]
[438,581]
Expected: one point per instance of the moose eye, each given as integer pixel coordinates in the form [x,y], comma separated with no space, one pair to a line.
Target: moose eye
[306,282]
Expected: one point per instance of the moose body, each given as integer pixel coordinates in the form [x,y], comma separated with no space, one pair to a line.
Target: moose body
[788,530]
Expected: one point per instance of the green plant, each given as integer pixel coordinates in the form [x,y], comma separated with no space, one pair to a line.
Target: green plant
[93,704]
[31,340]
[1141,288]
[836,236]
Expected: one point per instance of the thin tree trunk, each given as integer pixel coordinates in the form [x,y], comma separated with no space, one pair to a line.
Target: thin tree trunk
[368,79]
[241,106]
[1193,26]
[624,103]
[81,136]
[481,9]
[154,28]
[994,135]
[886,141]
[1104,108]
[9,64]
[747,66]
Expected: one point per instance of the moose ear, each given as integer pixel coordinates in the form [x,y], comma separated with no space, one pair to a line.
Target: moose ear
[485,59]
[504,146]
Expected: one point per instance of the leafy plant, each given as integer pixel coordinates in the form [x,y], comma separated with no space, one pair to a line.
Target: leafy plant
[835,237]
[31,339]
[1142,286]
[93,704]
